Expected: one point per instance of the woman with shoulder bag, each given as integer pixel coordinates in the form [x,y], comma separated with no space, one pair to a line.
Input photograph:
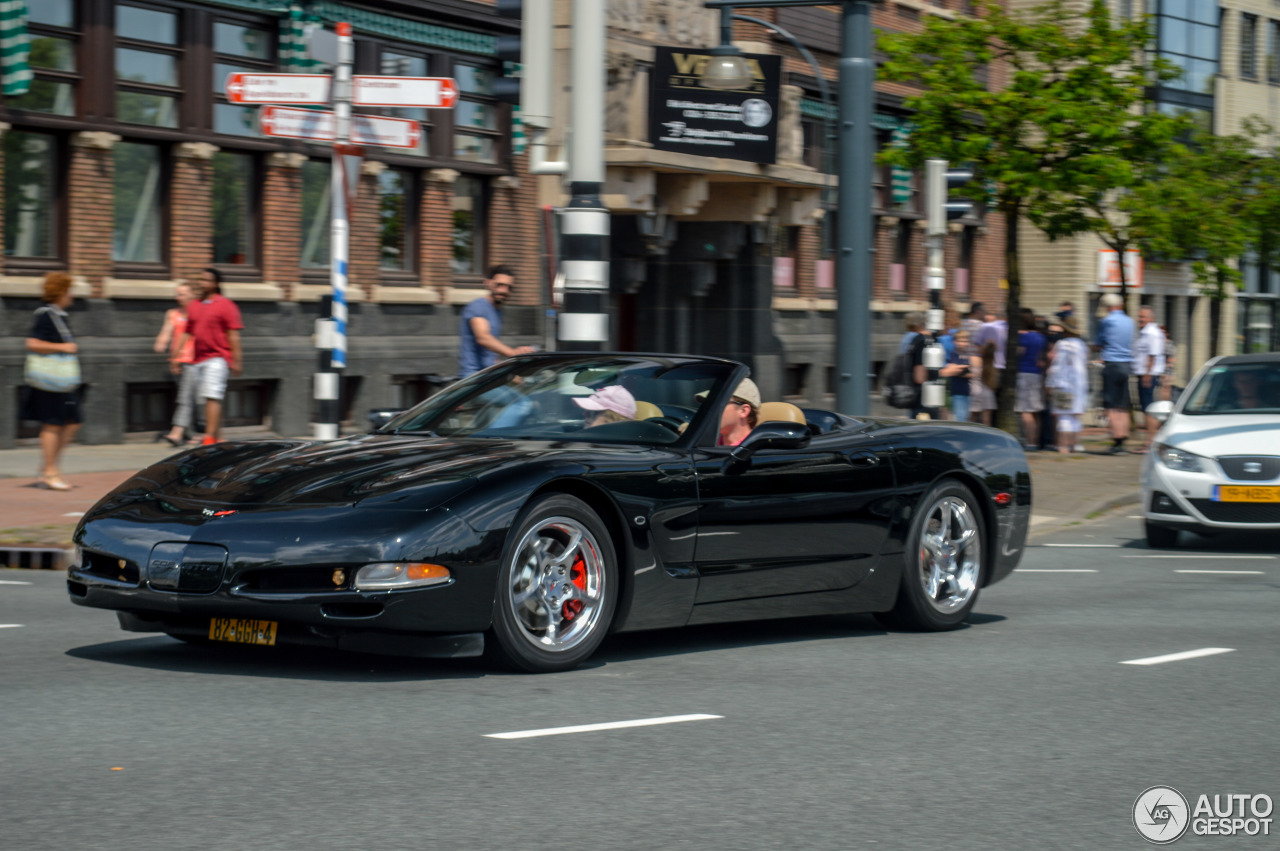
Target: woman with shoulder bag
[52,393]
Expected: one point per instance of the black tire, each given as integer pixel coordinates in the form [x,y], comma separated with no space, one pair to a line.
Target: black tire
[944,552]
[558,552]
[1160,537]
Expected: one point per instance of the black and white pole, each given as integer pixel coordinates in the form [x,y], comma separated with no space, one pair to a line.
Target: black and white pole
[933,393]
[584,318]
[331,328]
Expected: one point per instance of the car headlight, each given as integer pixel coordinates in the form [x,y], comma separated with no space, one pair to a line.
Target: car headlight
[1181,459]
[392,575]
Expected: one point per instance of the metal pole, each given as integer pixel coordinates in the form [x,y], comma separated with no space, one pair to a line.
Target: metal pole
[584,320]
[933,394]
[331,333]
[854,260]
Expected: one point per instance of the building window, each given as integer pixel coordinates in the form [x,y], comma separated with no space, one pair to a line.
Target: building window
[138,221]
[147,66]
[234,222]
[51,27]
[238,48]
[30,196]
[1273,51]
[1249,46]
[468,226]
[395,245]
[315,213]
[475,118]
[395,64]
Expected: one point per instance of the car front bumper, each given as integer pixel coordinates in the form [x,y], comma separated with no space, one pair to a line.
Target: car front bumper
[1188,500]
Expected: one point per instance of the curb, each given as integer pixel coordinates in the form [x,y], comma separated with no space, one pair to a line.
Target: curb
[1101,509]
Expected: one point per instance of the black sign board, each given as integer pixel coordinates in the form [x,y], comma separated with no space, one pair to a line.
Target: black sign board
[685,116]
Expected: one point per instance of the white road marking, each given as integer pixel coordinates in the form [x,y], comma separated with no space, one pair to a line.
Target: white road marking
[1133,517]
[1212,556]
[74,514]
[1054,570]
[11,625]
[1251,572]
[13,582]
[1178,657]
[591,728]
[1090,546]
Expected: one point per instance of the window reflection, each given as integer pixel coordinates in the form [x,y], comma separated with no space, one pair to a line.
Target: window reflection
[137,234]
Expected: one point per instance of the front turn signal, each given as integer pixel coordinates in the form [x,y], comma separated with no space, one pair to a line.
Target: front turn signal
[388,576]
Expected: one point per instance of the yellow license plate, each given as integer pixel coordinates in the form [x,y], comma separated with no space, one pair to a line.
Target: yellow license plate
[1245,493]
[239,631]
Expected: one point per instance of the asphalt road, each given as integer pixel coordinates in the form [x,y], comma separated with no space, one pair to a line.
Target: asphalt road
[1023,730]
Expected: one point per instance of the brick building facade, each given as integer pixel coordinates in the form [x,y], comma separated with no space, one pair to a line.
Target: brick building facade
[126,166]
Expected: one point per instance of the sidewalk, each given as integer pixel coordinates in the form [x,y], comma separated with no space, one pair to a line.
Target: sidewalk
[1066,489]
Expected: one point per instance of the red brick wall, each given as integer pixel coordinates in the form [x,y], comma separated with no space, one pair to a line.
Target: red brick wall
[281,222]
[365,241]
[435,230]
[90,212]
[191,217]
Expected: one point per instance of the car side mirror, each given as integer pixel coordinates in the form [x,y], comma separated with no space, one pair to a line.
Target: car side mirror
[1159,411]
[378,417]
[772,435]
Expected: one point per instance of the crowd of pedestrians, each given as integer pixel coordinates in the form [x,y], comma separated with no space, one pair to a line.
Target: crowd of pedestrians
[1053,390]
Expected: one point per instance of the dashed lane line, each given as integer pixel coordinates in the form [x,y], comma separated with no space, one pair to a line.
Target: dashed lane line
[13,582]
[1212,556]
[591,728]
[1179,657]
[1229,572]
[1055,570]
[11,625]
[1085,546]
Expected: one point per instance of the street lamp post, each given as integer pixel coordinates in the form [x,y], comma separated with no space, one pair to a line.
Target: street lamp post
[854,246]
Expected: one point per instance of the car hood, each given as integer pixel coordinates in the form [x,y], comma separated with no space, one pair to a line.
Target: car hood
[1217,435]
[385,470]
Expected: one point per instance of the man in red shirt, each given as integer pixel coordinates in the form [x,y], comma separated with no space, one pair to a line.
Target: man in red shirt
[214,324]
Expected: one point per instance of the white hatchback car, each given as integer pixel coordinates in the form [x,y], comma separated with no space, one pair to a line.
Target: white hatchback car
[1215,462]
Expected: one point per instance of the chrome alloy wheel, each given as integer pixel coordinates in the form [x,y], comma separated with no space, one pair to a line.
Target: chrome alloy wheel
[557,584]
[950,554]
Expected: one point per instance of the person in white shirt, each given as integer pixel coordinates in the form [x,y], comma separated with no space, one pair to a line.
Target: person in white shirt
[1148,365]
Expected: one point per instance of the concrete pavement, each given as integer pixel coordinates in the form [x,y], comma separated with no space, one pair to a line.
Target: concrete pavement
[1066,489]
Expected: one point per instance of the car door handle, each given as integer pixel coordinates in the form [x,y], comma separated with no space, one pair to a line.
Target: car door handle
[863,459]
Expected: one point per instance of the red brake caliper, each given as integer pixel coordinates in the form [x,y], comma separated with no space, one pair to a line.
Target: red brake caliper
[578,576]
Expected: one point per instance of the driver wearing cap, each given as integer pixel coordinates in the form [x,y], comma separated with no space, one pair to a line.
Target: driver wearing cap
[739,416]
[612,404]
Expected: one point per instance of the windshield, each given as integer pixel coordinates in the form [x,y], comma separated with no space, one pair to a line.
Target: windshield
[1238,388]
[600,398]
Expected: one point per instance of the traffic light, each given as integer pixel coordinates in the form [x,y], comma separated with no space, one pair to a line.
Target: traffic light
[941,207]
[508,47]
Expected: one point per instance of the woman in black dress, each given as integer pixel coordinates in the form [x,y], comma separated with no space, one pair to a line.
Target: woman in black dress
[58,413]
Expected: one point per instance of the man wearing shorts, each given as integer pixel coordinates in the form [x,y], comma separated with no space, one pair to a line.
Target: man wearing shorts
[1148,365]
[214,324]
[1115,343]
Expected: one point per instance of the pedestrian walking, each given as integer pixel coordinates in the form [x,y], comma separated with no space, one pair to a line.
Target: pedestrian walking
[1115,345]
[480,329]
[1068,381]
[181,364]
[962,364]
[1170,366]
[1149,367]
[990,340]
[1030,395]
[52,377]
[214,324]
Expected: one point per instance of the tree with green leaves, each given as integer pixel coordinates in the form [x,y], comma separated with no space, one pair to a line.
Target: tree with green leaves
[1064,134]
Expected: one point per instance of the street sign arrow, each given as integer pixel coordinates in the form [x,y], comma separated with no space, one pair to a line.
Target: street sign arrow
[242,87]
[318,126]
[429,92]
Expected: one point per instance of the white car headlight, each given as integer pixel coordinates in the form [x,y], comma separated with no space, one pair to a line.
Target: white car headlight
[392,575]
[1181,459]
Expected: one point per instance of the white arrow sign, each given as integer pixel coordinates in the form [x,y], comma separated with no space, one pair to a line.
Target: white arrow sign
[318,125]
[277,88]
[430,92]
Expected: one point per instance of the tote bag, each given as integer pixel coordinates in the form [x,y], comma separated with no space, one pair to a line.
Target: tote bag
[54,373]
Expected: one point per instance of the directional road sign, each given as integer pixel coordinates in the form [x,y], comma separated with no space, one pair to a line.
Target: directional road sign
[318,126]
[430,92]
[277,88]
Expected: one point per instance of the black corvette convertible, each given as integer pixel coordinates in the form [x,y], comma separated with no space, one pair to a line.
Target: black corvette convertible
[505,513]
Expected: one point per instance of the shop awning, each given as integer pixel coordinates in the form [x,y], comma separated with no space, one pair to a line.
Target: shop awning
[15,48]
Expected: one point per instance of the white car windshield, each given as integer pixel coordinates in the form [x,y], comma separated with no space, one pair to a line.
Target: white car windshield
[1238,388]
